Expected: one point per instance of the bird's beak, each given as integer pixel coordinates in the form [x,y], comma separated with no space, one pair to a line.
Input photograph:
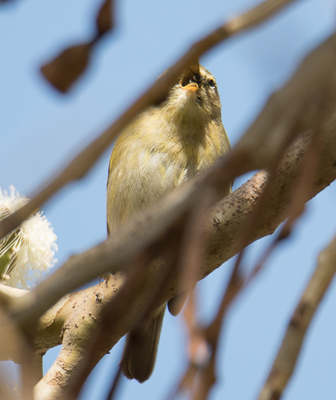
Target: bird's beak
[191,87]
[188,74]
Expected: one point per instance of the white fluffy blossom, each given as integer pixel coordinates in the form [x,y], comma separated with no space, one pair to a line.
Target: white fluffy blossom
[28,251]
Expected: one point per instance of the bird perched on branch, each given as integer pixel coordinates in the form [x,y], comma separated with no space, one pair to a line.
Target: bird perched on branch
[162,147]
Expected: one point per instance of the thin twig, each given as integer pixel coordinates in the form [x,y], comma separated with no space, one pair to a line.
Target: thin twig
[192,249]
[286,358]
[200,374]
[207,376]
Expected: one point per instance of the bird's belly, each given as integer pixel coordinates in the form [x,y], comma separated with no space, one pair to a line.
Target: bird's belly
[139,181]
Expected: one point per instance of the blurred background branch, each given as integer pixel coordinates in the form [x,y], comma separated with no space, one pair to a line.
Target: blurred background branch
[286,358]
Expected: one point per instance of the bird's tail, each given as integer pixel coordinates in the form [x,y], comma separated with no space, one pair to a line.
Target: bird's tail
[140,349]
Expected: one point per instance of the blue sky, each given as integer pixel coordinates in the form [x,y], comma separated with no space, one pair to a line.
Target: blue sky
[41,129]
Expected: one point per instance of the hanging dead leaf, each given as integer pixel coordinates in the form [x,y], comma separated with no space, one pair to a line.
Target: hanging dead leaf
[67,66]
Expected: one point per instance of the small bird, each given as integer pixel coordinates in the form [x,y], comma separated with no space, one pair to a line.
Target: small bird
[161,148]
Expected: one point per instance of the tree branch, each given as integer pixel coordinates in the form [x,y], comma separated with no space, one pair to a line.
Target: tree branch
[286,358]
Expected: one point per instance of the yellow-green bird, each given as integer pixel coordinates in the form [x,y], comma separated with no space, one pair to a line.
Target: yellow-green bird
[160,149]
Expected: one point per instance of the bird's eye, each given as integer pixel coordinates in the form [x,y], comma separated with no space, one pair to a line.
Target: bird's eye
[212,83]
[197,77]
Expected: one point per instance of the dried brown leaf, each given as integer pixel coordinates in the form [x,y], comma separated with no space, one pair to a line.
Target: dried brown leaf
[62,71]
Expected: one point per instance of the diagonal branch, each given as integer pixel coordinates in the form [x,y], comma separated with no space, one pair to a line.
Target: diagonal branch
[286,358]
